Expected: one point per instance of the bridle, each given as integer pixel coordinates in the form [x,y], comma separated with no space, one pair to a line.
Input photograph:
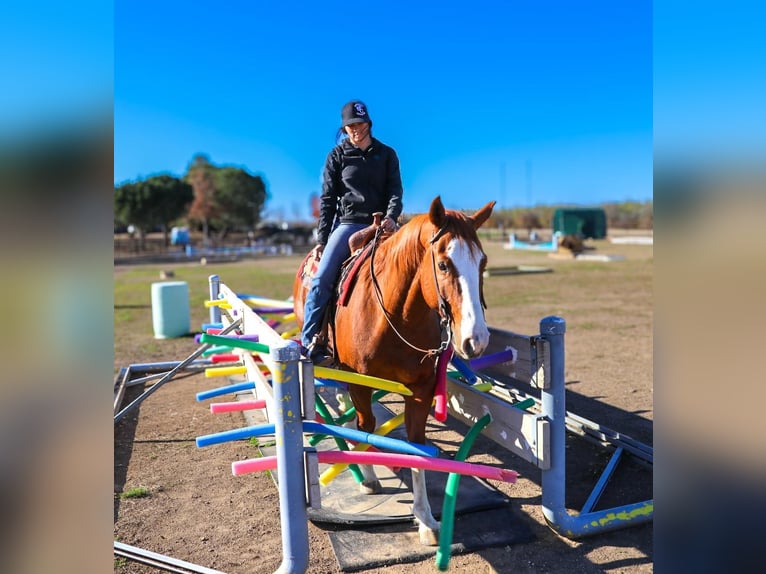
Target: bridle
[445,312]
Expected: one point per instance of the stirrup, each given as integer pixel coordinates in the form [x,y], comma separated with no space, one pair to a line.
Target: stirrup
[319,354]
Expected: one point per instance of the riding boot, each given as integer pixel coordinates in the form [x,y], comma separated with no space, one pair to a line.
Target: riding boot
[318,352]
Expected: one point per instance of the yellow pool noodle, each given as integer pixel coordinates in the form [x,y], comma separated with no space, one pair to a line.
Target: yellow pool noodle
[290,333]
[225,371]
[364,380]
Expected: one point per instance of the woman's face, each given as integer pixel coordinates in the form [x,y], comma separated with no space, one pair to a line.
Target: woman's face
[358,133]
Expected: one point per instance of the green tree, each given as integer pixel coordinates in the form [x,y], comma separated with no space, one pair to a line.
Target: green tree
[153,202]
[239,197]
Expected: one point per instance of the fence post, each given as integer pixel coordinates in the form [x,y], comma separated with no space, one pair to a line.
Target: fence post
[553,404]
[215,288]
[290,460]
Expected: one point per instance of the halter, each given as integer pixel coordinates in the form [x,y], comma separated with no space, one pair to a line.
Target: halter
[445,314]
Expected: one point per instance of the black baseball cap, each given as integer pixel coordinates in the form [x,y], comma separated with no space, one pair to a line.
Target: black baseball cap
[354,112]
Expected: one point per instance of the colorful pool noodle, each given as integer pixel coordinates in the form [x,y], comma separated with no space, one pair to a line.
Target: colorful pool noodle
[345,417]
[290,333]
[215,350]
[383,442]
[273,311]
[235,434]
[220,303]
[465,370]
[265,301]
[525,404]
[323,412]
[205,326]
[365,380]
[386,459]
[225,358]
[440,393]
[225,371]
[450,495]
[236,343]
[235,388]
[331,473]
[236,406]
[251,337]
[506,356]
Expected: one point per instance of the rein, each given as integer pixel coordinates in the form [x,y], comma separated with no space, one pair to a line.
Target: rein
[444,310]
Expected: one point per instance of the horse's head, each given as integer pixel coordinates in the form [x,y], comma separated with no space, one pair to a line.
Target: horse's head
[459,262]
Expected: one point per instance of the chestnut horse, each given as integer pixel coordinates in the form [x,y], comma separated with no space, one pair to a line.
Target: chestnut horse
[420,291]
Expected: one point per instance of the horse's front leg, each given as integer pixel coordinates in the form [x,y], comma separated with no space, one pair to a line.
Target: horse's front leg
[416,411]
[428,526]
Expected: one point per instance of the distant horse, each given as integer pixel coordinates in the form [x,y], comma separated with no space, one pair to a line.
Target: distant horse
[419,292]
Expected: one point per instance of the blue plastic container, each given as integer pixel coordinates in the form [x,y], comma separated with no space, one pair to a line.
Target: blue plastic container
[179,236]
[170,309]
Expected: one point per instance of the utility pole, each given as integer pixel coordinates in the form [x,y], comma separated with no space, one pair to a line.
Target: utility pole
[528,174]
[503,205]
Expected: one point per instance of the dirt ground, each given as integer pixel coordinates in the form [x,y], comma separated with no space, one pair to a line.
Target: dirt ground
[196,511]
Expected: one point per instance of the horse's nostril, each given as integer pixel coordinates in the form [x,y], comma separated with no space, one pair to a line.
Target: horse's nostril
[468,348]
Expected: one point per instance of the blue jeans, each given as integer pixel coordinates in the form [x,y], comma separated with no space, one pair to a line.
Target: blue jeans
[335,253]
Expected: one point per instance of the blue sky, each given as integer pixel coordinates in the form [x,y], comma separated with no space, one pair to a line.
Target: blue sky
[519,102]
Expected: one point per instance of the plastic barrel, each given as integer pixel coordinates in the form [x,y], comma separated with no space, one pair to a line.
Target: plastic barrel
[170,309]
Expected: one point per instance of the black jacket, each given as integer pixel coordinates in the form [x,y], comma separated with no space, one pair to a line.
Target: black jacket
[356,184]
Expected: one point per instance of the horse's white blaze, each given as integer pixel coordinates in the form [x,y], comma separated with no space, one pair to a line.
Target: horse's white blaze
[467,263]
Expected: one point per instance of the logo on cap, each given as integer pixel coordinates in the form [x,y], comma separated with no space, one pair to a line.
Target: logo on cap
[360,111]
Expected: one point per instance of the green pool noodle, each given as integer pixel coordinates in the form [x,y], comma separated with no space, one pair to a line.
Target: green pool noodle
[450,496]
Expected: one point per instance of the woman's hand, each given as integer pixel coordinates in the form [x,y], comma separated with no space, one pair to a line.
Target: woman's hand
[388,225]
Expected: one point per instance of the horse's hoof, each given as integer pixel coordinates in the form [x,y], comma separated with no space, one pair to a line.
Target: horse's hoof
[428,536]
[370,487]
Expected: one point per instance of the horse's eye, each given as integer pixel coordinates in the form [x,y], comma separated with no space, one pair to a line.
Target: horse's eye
[443,266]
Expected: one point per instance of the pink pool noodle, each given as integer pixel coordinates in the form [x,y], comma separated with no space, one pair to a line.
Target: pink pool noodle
[253,465]
[385,459]
[213,331]
[440,394]
[234,406]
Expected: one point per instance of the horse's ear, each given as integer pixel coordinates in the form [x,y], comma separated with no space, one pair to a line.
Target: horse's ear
[436,214]
[481,216]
